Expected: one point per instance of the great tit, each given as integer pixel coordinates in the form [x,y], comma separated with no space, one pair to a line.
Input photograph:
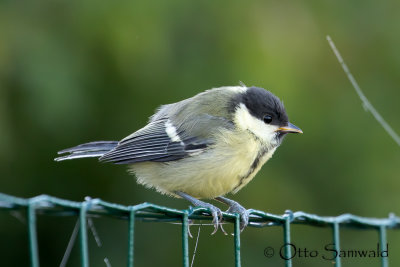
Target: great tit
[203,147]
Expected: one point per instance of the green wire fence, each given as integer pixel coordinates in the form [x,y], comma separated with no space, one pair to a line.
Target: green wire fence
[149,212]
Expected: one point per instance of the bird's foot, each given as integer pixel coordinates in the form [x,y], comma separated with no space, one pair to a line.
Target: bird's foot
[216,213]
[244,214]
[235,207]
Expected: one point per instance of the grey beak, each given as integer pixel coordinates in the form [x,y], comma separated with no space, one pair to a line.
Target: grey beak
[290,128]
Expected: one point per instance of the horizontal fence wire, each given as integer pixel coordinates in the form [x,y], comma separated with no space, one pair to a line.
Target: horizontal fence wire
[147,212]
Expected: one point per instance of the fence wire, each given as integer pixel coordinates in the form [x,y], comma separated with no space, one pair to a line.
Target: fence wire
[148,212]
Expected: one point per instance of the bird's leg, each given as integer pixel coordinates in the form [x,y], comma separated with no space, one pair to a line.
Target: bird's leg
[216,213]
[235,207]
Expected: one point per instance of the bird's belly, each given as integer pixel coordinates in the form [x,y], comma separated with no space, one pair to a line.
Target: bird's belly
[207,179]
[213,173]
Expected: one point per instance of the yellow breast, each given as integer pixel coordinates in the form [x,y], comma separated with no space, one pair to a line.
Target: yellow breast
[221,169]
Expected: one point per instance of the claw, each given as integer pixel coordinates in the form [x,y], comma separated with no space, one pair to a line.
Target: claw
[235,207]
[222,229]
[217,217]
[244,220]
[190,222]
[244,215]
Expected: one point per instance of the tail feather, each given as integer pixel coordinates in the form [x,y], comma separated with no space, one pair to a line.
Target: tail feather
[87,150]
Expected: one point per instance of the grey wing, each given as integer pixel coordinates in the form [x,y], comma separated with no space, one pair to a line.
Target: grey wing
[153,143]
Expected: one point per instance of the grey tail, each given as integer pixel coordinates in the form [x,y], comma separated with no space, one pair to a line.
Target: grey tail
[87,150]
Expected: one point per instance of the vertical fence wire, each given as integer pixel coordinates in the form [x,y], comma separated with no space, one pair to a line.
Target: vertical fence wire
[185,239]
[336,242]
[83,235]
[131,237]
[33,245]
[236,239]
[286,237]
[384,244]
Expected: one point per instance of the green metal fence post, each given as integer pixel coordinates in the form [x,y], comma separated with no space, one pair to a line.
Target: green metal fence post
[383,244]
[286,236]
[33,246]
[83,235]
[131,236]
[336,242]
[185,241]
[237,240]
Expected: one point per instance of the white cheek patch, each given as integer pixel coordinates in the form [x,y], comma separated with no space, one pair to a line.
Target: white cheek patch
[171,132]
[245,121]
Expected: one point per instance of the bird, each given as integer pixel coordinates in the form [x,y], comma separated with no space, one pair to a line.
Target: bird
[201,148]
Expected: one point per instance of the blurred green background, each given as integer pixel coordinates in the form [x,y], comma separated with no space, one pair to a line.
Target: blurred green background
[79,71]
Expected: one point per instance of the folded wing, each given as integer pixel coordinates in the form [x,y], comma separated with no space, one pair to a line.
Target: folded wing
[156,142]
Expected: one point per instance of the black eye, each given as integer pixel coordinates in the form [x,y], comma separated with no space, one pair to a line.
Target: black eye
[267,119]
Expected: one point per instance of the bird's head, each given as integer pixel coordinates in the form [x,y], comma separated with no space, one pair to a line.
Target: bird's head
[262,114]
